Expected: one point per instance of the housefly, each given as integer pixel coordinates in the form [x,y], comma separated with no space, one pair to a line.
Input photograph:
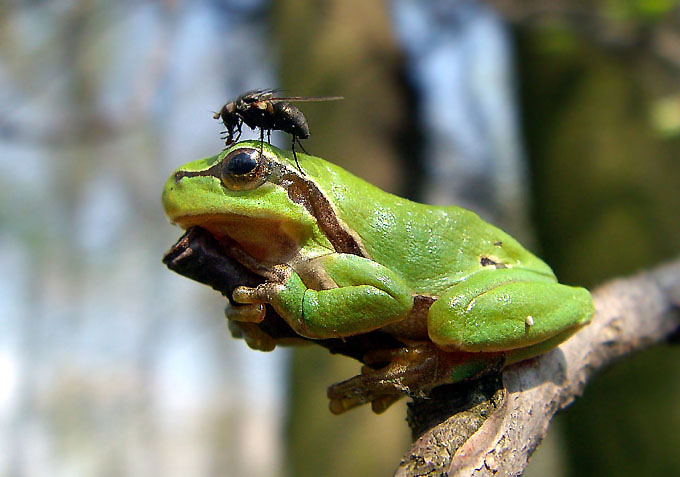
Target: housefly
[263,109]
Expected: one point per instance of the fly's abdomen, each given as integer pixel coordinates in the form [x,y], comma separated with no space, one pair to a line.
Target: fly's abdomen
[288,118]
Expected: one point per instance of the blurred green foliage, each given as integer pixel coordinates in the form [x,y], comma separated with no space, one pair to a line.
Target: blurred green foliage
[639,10]
[587,123]
[606,203]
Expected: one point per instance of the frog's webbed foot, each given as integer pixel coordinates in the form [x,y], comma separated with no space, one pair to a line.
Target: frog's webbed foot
[243,323]
[252,334]
[411,371]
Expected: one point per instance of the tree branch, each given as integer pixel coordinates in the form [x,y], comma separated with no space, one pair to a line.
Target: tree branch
[499,427]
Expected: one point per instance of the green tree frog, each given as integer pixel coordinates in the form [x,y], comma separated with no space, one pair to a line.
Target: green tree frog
[340,257]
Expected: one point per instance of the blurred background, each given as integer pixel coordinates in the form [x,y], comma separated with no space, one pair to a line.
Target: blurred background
[557,120]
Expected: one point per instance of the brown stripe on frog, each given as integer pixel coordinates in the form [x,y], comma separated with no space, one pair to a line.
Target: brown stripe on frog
[215,171]
[306,193]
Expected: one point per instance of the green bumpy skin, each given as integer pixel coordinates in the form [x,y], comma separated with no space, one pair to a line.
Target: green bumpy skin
[342,257]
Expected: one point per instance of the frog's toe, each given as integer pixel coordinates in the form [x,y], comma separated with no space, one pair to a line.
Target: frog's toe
[340,405]
[253,335]
[369,386]
[252,313]
[381,404]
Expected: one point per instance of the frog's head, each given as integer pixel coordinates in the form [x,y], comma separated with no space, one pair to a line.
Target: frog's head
[254,195]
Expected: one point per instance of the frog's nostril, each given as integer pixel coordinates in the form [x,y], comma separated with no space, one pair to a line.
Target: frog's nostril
[178,176]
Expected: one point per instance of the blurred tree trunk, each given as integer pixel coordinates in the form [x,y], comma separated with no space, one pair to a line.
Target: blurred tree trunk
[343,48]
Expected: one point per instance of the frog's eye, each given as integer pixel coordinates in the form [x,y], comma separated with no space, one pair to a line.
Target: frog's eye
[243,169]
[240,163]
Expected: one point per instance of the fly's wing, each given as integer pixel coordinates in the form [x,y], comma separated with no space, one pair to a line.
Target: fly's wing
[292,99]
[257,95]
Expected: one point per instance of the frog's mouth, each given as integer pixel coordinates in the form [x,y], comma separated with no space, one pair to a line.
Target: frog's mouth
[266,240]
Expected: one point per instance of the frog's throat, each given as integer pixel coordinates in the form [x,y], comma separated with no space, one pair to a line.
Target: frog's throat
[269,241]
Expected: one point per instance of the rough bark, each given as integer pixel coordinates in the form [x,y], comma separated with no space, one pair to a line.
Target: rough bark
[500,425]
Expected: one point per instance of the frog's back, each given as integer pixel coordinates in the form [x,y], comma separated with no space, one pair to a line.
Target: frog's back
[431,247]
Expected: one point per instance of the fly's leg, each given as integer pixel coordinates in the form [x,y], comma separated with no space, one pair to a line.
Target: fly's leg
[228,134]
[292,146]
[240,131]
[261,140]
[297,139]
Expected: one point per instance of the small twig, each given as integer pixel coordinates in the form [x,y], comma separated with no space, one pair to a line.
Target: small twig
[630,314]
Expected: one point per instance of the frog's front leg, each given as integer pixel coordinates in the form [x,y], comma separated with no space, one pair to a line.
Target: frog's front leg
[506,310]
[333,295]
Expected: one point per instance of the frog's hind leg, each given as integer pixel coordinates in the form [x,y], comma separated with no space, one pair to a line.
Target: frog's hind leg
[413,370]
[504,309]
[389,375]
